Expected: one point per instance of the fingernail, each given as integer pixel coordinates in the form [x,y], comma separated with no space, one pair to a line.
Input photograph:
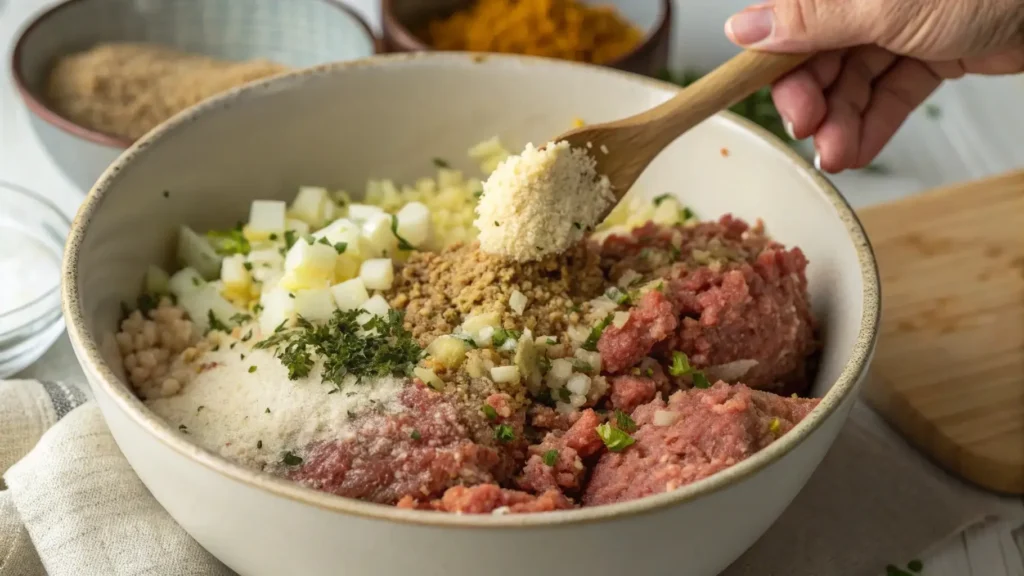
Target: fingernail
[817,161]
[788,126]
[752,25]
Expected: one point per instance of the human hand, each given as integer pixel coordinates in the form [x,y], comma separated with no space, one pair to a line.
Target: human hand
[877,60]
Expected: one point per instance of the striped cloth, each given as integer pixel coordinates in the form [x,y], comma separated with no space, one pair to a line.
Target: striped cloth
[74,507]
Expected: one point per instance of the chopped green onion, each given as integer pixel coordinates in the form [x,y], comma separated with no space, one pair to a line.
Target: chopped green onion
[403,244]
[504,433]
[624,422]
[415,435]
[551,457]
[614,439]
[700,380]
[489,412]
[289,459]
[595,333]
[501,336]
[680,364]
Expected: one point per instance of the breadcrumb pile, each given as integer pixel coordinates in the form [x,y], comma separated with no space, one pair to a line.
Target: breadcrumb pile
[125,89]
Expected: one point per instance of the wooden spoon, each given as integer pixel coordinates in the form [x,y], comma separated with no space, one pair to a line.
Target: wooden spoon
[624,148]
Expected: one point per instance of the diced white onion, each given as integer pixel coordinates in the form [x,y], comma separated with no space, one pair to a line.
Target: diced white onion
[233,272]
[315,305]
[414,223]
[576,400]
[627,278]
[377,273]
[267,217]
[730,371]
[578,384]
[363,212]
[592,359]
[620,319]
[184,281]
[665,417]
[505,374]
[429,377]
[561,370]
[484,336]
[310,205]
[517,301]
[350,294]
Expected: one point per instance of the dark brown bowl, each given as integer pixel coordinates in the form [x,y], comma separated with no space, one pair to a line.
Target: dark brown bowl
[399,19]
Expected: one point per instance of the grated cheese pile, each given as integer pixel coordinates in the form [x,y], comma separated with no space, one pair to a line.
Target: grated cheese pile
[254,415]
[541,202]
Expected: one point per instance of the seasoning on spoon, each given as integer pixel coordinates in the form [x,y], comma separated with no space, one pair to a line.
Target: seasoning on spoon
[541,202]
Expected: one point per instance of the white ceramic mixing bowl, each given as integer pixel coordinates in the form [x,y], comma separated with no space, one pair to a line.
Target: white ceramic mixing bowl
[338,125]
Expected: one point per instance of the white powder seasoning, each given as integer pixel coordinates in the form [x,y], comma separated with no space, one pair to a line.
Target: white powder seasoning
[246,409]
[541,202]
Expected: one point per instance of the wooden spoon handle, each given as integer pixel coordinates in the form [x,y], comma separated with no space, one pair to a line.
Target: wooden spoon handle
[728,84]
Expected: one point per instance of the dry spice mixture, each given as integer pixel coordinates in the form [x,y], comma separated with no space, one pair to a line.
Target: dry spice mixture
[438,290]
[565,29]
[126,89]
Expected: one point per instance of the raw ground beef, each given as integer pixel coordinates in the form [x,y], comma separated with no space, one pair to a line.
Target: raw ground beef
[729,294]
[714,428]
[487,498]
[423,450]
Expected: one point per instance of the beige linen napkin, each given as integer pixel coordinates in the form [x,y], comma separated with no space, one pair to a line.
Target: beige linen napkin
[873,501]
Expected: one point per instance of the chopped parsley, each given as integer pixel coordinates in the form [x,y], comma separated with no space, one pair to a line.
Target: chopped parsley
[182,428]
[290,237]
[680,364]
[551,457]
[595,334]
[624,422]
[614,439]
[617,296]
[403,244]
[323,240]
[248,266]
[686,214]
[441,163]
[259,444]
[659,199]
[545,364]
[915,566]
[700,380]
[215,323]
[501,336]
[563,394]
[415,435]
[478,193]
[340,247]
[200,409]
[267,411]
[273,237]
[577,226]
[289,459]
[380,347]
[252,369]
[241,318]
[504,433]
[490,412]
[228,242]
[933,111]
[247,337]
[146,302]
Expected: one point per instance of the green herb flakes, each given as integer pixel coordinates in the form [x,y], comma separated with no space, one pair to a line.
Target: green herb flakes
[252,369]
[215,323]
[489,412]
[380,347]
[504,433]
[595,333]
[267,411]
[624,422]
[551,457]
[680,364]
[659,199]
[700,380]
[340,247]
[403,244]
[182,428]
[200,409]
[240,318]
[614,439]
[933,111]
[915,566]
[248,266]
[415,434]
[441,163]
[618,296]
[501,336]
[289,459]
[290,237]
[228,242]
[259,444]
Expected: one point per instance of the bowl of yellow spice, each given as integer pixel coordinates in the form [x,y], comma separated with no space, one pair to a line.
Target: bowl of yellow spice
[96,75]
[631,35]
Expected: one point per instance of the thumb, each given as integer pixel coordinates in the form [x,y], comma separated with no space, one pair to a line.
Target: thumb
[800,25]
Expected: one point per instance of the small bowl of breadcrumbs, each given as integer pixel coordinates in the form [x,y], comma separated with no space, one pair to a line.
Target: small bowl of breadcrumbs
[96,75]
[631,35]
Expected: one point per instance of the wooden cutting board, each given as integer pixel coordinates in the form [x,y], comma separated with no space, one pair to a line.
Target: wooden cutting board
[949,367]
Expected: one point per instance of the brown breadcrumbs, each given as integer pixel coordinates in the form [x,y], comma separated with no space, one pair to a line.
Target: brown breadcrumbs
[439,290]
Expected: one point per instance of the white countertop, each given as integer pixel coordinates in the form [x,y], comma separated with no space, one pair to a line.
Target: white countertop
[976,134]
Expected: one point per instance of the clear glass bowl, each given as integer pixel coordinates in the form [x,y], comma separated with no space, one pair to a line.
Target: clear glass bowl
[32,235]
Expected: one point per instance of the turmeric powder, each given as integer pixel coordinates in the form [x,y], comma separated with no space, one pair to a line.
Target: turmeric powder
[564,29]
